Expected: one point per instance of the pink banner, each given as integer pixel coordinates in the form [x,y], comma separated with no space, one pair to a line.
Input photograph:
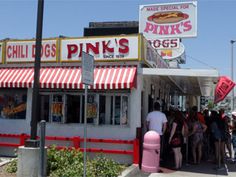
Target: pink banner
[224,86]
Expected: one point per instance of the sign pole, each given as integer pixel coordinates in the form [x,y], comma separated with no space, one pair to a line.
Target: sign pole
[87,79]
[85,128]
[232,72]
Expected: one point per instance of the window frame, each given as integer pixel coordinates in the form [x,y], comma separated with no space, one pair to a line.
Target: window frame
[97,94]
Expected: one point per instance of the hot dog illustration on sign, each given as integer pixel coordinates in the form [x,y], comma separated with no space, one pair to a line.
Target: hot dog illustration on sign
[168,17]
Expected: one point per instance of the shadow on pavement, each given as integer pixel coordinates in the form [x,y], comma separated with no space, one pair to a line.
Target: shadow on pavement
[207,168]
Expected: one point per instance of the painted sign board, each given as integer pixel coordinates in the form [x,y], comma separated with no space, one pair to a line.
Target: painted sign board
[110,48]
[170,54]
[24,51]
[169,20]
[168,43]
[87,69]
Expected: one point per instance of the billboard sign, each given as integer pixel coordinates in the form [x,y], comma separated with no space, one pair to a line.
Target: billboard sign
[102,48]
[169,20]
[172,43]
[24,51]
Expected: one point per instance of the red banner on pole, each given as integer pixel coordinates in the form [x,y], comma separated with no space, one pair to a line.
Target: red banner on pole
[223,87]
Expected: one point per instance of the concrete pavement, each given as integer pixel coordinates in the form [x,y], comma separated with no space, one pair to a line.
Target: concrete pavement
[205,169]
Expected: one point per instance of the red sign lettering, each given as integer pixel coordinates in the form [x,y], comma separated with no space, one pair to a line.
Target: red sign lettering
[97,48]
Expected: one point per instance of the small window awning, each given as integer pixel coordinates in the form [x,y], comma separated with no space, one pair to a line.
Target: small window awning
[105,77]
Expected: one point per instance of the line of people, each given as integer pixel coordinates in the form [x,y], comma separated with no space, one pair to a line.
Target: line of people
[204,135]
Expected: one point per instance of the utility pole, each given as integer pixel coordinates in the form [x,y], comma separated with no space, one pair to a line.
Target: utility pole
[232,71]
[33,142]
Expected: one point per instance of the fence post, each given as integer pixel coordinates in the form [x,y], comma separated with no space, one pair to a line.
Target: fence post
[43,150]
[76,141]
[136,151]
[22,139]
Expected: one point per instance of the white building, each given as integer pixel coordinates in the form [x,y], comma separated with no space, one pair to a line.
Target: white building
[129,76]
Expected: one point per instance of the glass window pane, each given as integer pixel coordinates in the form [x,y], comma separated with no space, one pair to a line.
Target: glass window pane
[102,109]
[124,116]
[91,108]
[57,108]
[117,109]
[44,112]
[83,98]
[111,107]
[73,109]
[13,103]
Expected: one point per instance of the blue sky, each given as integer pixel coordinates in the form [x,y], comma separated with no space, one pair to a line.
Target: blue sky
[210,49]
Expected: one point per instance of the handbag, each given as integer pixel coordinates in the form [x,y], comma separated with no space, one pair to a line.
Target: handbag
[175,141]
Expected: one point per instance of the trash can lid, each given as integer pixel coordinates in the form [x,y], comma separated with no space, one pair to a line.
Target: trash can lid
[152,137]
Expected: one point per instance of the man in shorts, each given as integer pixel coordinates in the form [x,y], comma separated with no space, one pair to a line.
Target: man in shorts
[157,121]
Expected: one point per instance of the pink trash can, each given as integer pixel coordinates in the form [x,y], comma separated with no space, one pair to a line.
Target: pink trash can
[151,152]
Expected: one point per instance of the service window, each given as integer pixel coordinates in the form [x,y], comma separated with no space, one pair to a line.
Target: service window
[13,103]
[113,109]
[73,107]
[102,108]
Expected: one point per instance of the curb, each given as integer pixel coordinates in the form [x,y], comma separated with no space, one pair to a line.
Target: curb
[5,161]
[130,171]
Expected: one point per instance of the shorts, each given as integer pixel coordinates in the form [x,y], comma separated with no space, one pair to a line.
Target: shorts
[197,139]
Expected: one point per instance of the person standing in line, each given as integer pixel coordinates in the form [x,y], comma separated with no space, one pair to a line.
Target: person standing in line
[234,133]
[198,128]
[217,129]
[157,121]
[176,138]
[227,132]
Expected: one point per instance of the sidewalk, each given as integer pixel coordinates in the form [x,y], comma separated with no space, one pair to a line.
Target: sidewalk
[205,169]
